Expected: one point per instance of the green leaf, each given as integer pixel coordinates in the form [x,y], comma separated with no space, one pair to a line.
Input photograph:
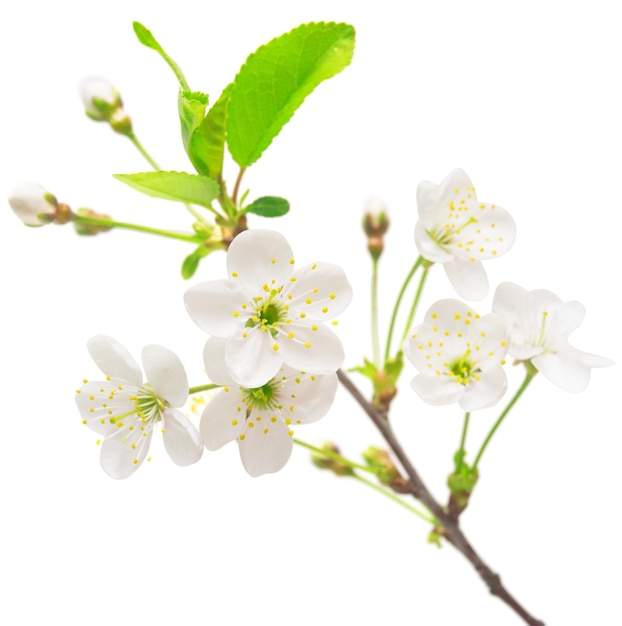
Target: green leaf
[277,78]
[178,186]
[191,106]
[268,206]
[146,38]
[190,265]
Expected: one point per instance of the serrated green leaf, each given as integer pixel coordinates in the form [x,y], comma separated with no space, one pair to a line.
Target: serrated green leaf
[268,206]
[208,142]
[276,79]
[191,106]
[178,186]
[146,38]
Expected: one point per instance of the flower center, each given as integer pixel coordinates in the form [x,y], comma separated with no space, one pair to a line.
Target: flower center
[463,368]
[263,398]
[268,313]
[444,235]
[148,406]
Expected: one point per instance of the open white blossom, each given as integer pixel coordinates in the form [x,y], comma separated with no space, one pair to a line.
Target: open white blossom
[270,314]
[125,410]
[459,231]
[540,324]
[262,419]
[459,355]
[33,204]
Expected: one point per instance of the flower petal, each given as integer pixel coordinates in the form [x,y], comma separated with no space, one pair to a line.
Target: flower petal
[468,278]
[123,453]
[212,306]
[321,291]
[428,248]
[486,391]
[311,348]
[101,402]
[113,359]
[223,419]
[433,200]
[265,450]
[258,257]
[252,360]
[214,360]
[306,397]
[181,438]
[166,374]
[437,390]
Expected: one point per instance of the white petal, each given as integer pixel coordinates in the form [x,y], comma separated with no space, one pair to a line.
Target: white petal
[181,438]
[265,452]
[260,257]
[253,360]
[214,360]
[321,291]
[564,318]
[318,350]
[569,369]
[468,278]
[99,402]
[508,301]
[33,204]
[166,374]
[212,306]
[486,391]
[428,248]
[306,397]
[433,200]
[437,390]
[113,359]
[223,418]
[118,458]
[99,88]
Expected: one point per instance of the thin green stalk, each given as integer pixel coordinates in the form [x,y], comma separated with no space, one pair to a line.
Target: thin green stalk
[375,338]
[200,388]
[139,146]
[236,187]
[400,295]
[96,221]
[528,377]
[413,308]
[392,496]
[461,450]
[329,454]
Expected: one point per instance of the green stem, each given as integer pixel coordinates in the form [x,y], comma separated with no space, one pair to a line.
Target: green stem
[78,219]
[392,496]
[375,338]
[139,146]
[528,377]
[236,187]
[200,388]
[461,450]
[413,308]
[400,295]
[329,454]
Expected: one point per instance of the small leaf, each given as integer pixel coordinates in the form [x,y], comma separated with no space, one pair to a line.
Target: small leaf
[268,206]
[368,369]
[190,265]
[191,106]
[208,142]
[146,38]
[178,186]
[277,78]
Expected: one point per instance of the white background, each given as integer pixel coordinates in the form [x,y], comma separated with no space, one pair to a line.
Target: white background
[525,97]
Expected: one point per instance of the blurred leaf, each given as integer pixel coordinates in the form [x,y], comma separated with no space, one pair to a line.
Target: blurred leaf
[277,78]
[178,186]
[191,106]
[268,206]
[146,38]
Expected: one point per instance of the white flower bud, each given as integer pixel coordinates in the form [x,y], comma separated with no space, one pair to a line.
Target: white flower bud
[33,204]
[101,99]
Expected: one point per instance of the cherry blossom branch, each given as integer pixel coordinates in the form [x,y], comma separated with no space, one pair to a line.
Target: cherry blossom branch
[450,527]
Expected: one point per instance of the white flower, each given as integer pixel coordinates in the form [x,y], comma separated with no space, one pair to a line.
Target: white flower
[262,419]
[270,314]
[100,98]
[540,324]
[457,230]
[33,204]
[125,410]
[459,356]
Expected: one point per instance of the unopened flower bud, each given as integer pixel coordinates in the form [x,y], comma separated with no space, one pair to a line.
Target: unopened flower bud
[33,204]
[86,228]
[332,464]
[386,471]
[375,224]
[102,103]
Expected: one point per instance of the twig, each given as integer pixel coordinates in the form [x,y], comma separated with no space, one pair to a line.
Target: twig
[451,528]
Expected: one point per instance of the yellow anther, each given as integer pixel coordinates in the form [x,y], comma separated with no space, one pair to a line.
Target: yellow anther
[303,315]
[236,314]
[234,422]
[85,421]
[325,309]
[307,345]
[234,274]
[308,301]
[291,261]
[332,296]
[135,461]
[242,437]
[275,347]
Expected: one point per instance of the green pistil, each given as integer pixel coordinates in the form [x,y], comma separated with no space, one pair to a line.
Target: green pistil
[264,398]
[542,328]
[445,236]
[268,315]
[462,368]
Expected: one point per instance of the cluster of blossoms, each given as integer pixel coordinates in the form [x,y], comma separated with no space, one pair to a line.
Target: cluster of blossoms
[270,351]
